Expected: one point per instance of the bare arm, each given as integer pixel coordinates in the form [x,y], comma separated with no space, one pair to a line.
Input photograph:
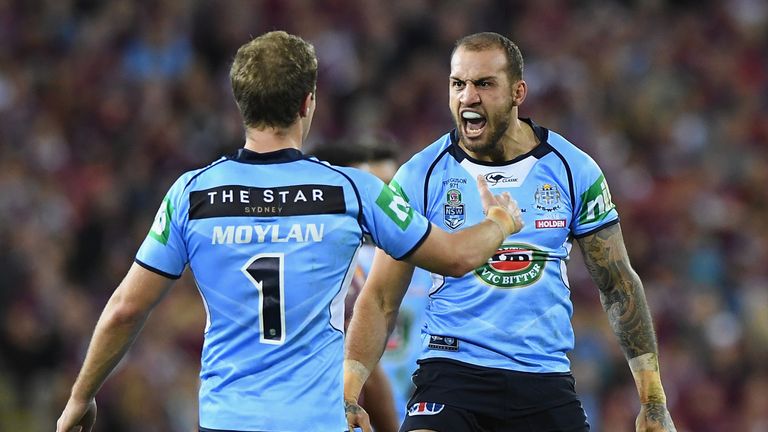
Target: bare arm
[623,299]
[378,400]
[457,253]
[121,320]
[450,254]
[374,318]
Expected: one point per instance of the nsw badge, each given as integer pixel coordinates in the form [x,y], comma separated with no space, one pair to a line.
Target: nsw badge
[454,209]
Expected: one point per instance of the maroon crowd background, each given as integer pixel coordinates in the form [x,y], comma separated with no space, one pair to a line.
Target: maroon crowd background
[104,104]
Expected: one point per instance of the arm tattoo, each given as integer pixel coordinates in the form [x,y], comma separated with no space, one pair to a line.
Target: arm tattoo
[659,414]
[621,291]
[352,407]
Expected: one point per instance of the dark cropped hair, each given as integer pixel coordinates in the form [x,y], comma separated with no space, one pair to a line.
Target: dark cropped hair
[270,77]
[489,40]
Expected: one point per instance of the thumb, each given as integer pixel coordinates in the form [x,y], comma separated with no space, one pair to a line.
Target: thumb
[486,197]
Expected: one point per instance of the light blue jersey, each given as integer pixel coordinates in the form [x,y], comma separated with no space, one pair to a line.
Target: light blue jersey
[514,312]
[271,239]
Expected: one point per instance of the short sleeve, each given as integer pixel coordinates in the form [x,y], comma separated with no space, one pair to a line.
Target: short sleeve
[164,250]
[411,185]
[594,208]
[390,219]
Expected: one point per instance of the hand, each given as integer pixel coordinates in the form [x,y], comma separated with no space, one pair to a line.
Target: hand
[78,416]
[654,417]
[512,222]
[356,416]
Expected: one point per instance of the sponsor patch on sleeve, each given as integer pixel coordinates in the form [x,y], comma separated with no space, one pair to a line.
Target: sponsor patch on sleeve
[596,202]
[161,227]
[394,203]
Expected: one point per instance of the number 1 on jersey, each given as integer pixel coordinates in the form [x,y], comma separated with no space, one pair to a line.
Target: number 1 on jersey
[265,271]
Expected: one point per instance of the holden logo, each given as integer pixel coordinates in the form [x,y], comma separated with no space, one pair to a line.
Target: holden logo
[514,265]
[495,178]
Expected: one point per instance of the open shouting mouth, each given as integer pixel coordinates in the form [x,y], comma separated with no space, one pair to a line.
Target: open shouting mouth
[473,124]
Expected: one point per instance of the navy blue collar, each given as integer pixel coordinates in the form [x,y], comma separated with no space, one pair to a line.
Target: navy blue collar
[541,149]
[278,156]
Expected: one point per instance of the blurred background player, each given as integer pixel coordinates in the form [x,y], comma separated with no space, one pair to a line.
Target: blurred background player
[379,155]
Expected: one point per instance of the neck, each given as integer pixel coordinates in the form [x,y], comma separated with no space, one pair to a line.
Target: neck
[271,139]
[517,140]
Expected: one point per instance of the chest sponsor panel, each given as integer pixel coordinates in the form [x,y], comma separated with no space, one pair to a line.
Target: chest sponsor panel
[514,265]
[238,200]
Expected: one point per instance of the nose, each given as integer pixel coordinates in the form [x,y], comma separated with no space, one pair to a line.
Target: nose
[469,95]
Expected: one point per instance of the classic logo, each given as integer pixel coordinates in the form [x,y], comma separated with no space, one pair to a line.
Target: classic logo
[161,227]
[495,178]
[514,265]
[547,197]
[596,202]
[453,209]
[425,408]
[393,201]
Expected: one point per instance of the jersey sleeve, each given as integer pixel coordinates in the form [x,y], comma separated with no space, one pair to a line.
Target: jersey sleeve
[389,218]
[409,180]
[594,208]
[164,250]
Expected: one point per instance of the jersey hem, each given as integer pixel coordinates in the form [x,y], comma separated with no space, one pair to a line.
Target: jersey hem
[155,270]
[480,367]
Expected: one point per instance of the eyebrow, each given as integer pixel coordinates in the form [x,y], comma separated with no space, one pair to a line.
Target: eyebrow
[474,81]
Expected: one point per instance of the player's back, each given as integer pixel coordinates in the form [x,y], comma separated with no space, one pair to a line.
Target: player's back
[270,239]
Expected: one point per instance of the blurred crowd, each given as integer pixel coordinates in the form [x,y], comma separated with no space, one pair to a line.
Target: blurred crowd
[104,104]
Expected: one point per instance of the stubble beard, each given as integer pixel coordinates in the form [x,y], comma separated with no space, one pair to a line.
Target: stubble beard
[497,125]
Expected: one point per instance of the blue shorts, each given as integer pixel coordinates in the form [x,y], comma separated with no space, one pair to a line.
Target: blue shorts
[459,397]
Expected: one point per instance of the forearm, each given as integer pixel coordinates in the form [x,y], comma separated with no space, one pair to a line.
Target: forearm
[623,299]
[366,340]
[378,401]
[113,335]
[455,254]
[630,318]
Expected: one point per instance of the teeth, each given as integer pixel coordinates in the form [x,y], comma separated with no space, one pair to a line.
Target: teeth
[469,115]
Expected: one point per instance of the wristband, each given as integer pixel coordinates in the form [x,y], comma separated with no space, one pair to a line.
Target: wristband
[645,371]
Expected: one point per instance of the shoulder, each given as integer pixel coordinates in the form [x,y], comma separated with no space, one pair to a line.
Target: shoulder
[189,178]
[353,175]
[572,155]
[421,162]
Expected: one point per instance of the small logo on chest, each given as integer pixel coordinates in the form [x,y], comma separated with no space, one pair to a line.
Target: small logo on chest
[547,197]
[453,209]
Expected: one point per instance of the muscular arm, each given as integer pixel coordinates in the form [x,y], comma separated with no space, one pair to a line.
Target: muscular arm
[450,254]
[623,299]
[457,253]
[121,320]
[374,318]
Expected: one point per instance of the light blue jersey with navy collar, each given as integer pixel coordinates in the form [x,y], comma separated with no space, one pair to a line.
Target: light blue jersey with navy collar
[514,312]
[271,240]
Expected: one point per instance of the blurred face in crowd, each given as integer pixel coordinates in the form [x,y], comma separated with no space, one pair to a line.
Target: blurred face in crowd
[482,98]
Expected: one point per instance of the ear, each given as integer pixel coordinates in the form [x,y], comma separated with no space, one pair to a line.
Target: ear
[519,92]
[306,104]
